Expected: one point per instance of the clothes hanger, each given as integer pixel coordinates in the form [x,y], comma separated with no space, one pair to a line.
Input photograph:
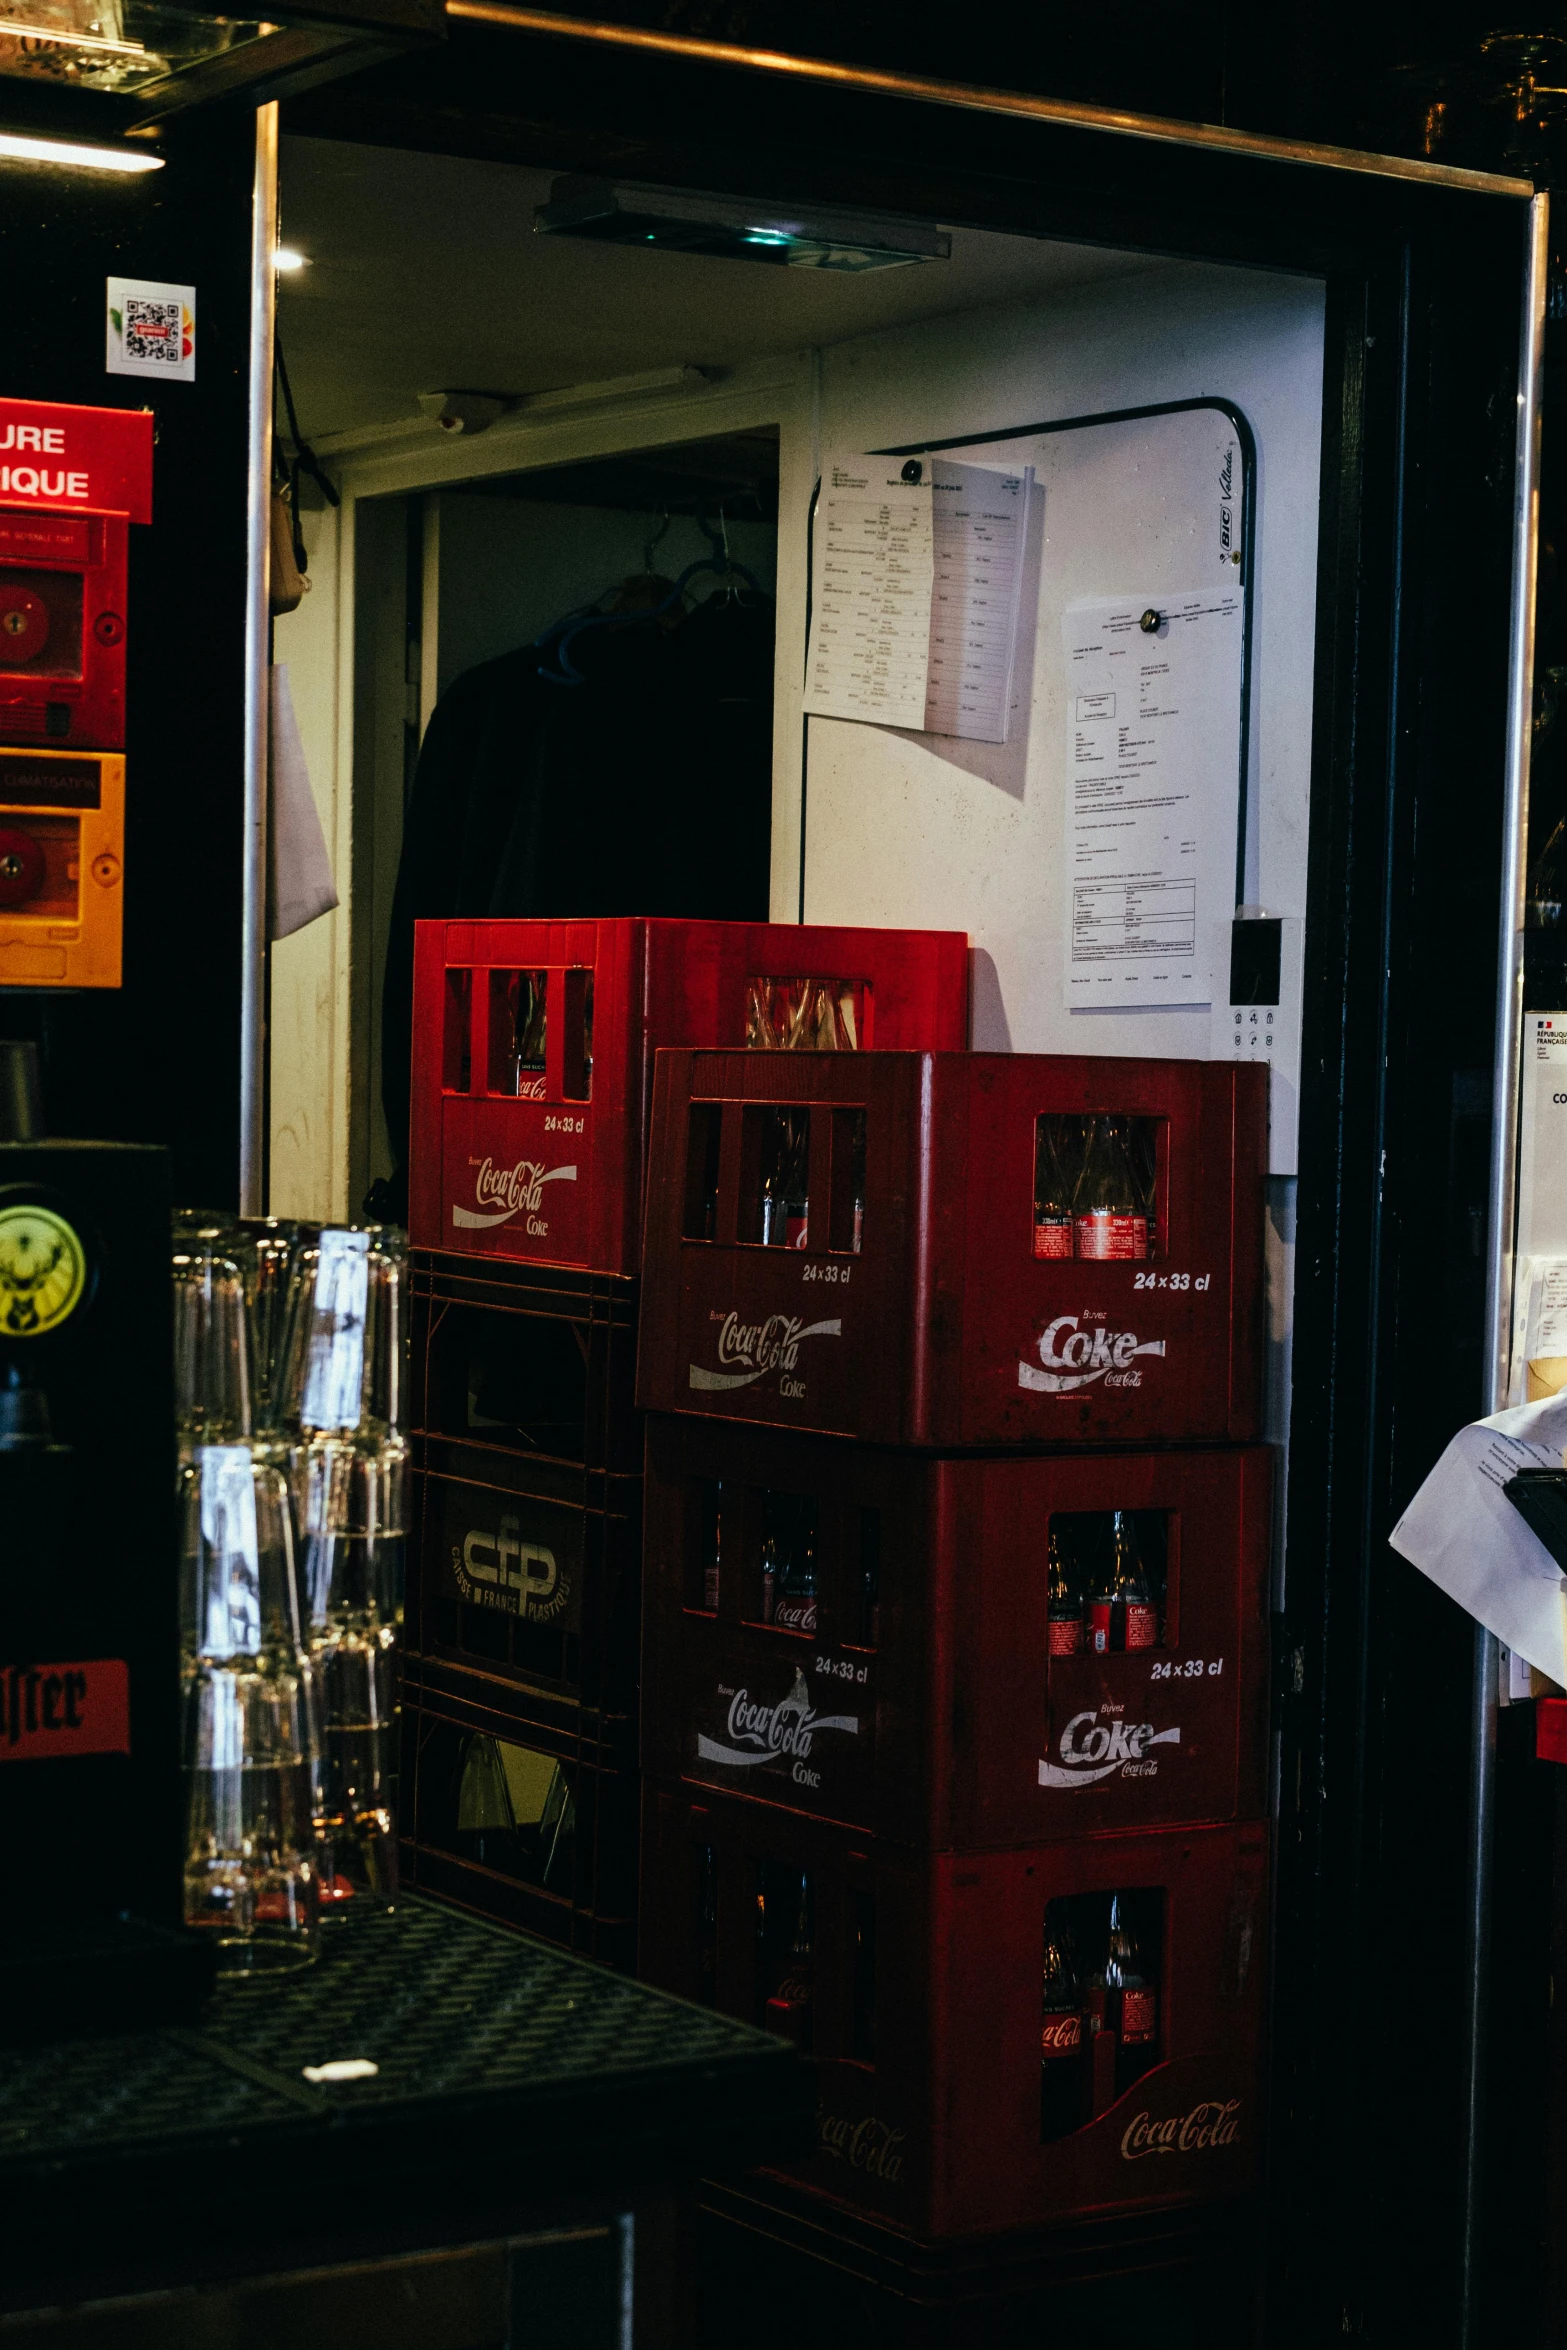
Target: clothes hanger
[564,634]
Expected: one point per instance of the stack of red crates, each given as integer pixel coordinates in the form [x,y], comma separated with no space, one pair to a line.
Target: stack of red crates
[532,1085]
[873,1796]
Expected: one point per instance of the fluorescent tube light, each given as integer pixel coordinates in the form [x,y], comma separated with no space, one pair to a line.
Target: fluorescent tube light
[606,213]
[285,258]
[72,157]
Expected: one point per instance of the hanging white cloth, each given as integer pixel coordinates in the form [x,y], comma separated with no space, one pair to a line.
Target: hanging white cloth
[299,871]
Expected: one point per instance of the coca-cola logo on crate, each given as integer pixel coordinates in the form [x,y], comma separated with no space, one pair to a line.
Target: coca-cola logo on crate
[872,2146]
[500,1193]
[1073,1355]
[747,1351]
[1201,2131]
[783,1733]
[1092,1749]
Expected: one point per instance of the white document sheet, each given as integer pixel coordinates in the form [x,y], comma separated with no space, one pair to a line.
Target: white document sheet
[1542,1137]
[1153,778]
[1539,1326]
[914,595]
[1464,1533]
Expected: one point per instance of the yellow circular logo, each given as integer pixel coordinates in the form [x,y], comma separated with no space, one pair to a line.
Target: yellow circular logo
[43,1271]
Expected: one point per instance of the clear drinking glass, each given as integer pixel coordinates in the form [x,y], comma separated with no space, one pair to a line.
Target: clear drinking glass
[345,1332]
[250,1868]
[212,1385]
[349,1502]
[267,1249]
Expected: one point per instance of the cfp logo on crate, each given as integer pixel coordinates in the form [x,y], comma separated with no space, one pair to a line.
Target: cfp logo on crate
[1092,1749]
[1075,1350]
[498,1569]
[780,1735]
[748,1351]
[501,1193]
[1203,2130]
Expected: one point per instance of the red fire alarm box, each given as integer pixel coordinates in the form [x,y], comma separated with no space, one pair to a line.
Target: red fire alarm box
[534,1043]
[72,480]
[873,1638]
[944,1249]
[954,2098]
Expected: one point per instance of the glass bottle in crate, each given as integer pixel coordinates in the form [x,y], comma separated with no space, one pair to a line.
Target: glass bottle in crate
[1062,2083]
[1065,1605]
[1137,1617]
[1056,1169]
[789,2009]
[1109,1211]
[785,1201]
[795,1606]
[1131,2001]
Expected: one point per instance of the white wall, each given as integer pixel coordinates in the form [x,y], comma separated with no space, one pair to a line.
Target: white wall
[901,828]
[907,828]
[310,971]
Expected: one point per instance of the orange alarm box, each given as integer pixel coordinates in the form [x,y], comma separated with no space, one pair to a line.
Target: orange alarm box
[62,834]
[72,480]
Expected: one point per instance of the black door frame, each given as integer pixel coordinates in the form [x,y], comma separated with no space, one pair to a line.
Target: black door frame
[1425,276]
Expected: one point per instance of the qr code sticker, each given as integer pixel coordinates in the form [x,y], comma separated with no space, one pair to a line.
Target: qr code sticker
[152,331]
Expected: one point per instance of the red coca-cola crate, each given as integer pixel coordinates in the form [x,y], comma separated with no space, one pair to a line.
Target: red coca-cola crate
[507,1817]
[924,2006]
[912,1307]
[920,1701]
[533,1056]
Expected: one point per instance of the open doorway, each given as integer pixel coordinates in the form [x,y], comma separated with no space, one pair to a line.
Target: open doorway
[615,411]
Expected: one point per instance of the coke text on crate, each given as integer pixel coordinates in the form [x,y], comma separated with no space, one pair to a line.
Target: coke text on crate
[871,1246]
[534,1044]
[866,1637]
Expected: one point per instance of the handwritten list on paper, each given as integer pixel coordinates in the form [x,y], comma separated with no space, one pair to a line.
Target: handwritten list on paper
[915,589]
[1153,780]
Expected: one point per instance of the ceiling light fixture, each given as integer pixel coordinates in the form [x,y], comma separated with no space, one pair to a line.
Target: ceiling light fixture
[732,229]
[285,258]
[72,157]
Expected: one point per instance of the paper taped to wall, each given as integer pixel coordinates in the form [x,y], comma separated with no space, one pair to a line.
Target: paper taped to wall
[1153,716]
[1539,1353]
[916,573]
[1464,1533]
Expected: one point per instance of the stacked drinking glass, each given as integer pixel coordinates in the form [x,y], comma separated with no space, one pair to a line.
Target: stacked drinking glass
[289,1343]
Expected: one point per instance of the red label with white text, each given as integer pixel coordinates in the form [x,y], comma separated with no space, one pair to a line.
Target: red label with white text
[1066,1636]
[1142,1625]
[47,1711]
[1099,1611]
[1139,2016]
[1053,1240]
[1112,1236]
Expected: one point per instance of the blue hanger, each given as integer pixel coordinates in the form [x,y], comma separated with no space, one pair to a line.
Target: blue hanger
[563,634]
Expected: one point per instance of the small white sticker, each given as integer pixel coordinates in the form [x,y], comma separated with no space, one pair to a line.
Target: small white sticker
[151,330]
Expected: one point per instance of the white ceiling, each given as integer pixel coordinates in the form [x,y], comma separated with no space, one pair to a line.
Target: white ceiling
[424,273]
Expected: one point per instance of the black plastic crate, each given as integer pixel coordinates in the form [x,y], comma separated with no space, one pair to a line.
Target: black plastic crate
[529,1571]
[525,1360]
[516,1822]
